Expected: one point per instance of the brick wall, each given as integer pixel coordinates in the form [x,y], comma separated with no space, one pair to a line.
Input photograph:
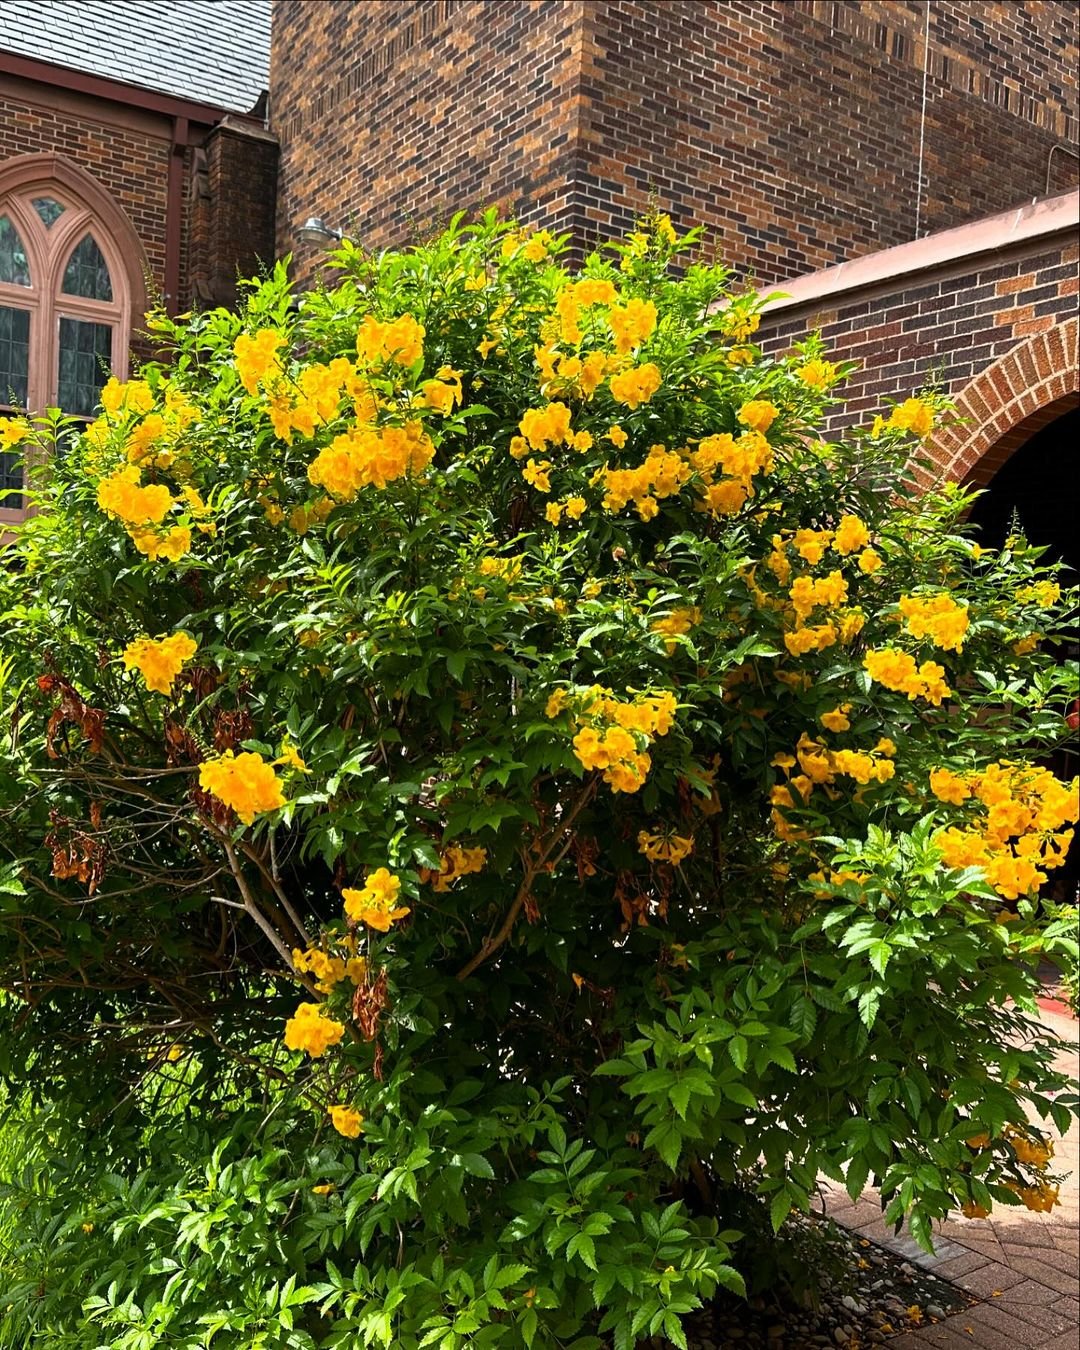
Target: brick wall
[791,128]
[232,232]
[395,113]
[943,329]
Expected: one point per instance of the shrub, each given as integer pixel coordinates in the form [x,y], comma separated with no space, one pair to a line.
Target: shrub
[486,784]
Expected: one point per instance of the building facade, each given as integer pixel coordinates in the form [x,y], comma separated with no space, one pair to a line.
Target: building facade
[135,169]
[905,169]
[800,133]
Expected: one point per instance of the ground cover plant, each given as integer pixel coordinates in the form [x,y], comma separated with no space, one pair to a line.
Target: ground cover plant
[488,796]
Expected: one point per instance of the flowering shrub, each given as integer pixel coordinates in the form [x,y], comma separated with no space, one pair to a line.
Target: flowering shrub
[569,792]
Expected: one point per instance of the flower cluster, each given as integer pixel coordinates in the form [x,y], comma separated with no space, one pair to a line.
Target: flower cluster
[370,456]
[665,846]
[331,968]
[900,672]
[663,474]
[400,340]
[312,1030]
[376,902]
[675,625]
[914,415]
[143,508]
[454,862]
[244,782]
[632,324]
[546,426]
[346,1121]
[160,660]
[256,357]
[636,385]
[614,735]
[1018,827]
[937,617]
[738,459]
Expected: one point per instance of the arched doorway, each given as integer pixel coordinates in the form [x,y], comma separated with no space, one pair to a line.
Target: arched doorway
[1037,485]
[1035,489]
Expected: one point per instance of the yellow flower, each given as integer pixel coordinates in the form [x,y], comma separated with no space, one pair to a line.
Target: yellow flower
[122,495]
[455,862]
[575,507]
[444,392]
[291,757]
[851,535]
[256,357]
[869,561]
[556,703]
[537,473]
[88,1228]
[346,1121]
[159,661]
[548,425]
[838,719]
[616,436]
[913,415]
[327,1188]
[1044,594]
[400,340]
[810,545]
[244,782]
[949,787]
[552,512]
[936,617]
[12,431]
[376,903]
[817,374]
[665,846]
[636,385]
[632,324]
[310,1030]
[675,625]
[758,415]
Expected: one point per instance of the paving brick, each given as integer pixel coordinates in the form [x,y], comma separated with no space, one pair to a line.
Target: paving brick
[986,1279]
[961,1265]
[1047,1275]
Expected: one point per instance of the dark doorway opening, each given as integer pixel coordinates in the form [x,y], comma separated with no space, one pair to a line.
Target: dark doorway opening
[1038,482]
[1038,485]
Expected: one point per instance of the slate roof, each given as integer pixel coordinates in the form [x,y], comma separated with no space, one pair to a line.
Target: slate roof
[212,51]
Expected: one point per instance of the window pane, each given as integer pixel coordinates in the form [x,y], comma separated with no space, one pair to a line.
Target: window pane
[48,209]
[14,355]
[13,265]
[85,353]
[11,481]
[86,273]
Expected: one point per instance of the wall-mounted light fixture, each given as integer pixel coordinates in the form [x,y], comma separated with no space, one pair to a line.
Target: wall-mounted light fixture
[316,231]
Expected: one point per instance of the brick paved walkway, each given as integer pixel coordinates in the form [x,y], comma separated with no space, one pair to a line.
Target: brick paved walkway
[1023,1267]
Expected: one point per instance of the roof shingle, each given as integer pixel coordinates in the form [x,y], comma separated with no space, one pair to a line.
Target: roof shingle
[211,51]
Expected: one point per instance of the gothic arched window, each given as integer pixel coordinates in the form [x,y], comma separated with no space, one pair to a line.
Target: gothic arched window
[65,307]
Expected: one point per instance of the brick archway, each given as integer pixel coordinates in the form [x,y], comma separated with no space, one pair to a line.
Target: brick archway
[1022,391]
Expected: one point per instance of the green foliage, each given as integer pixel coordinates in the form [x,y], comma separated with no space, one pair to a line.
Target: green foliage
[673,939]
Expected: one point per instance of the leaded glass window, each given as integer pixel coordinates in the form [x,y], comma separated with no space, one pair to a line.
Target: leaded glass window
[66,294]
[85,353]
[11,481]
[49,209]
[14,356]
[14,268]
[87,273]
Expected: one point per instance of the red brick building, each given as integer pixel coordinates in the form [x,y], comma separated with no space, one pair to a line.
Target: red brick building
[135,166]
[811,137]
